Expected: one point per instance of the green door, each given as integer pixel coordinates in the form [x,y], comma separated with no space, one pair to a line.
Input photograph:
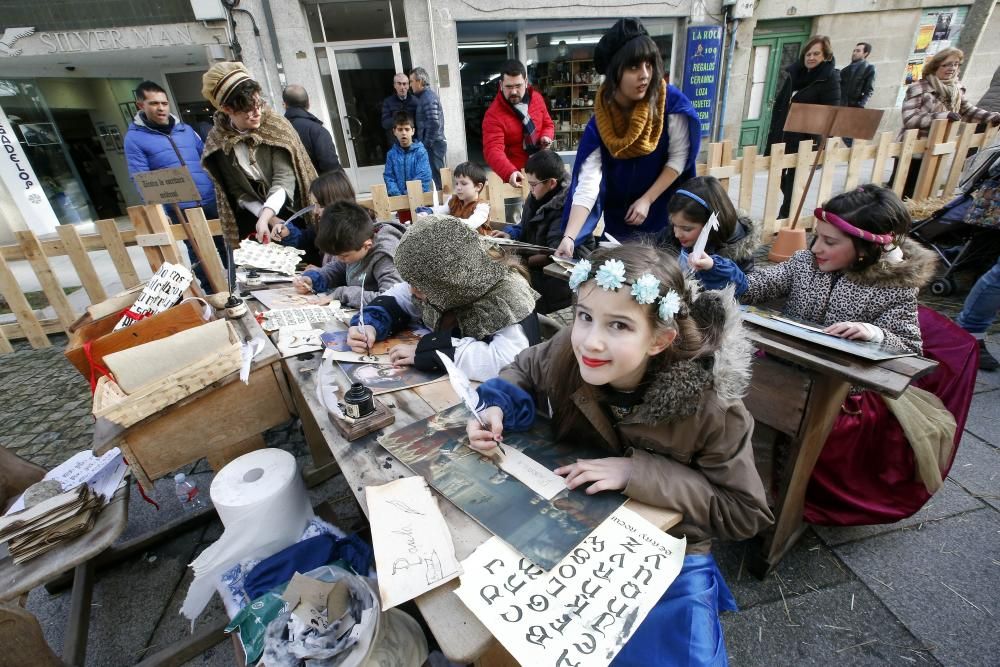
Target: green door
[776,45]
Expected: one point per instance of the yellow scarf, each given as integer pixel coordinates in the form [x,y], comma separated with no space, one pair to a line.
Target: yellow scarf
[629,135]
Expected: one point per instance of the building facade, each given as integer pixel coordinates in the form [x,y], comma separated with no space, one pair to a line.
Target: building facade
[67,71]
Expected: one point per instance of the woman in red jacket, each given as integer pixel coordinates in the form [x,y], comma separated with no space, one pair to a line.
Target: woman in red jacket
[516,125]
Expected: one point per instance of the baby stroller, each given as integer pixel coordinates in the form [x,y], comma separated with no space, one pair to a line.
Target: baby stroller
[956,232]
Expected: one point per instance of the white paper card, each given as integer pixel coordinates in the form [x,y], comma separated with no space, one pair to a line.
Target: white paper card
[101,473]
[702,241]
[531,473]
[414,552]
[584,610]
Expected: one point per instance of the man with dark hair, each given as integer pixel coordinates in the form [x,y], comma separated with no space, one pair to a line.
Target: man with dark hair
[516,125]
[157,139]
[429,117]
[355,248]
[400,100]
[857,80]
[317,141]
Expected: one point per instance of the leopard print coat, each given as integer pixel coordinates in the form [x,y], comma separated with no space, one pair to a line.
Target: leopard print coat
[883,294]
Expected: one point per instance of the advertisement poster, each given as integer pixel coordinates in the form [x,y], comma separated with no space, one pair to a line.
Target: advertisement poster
[938,29]
[701,71]
[20,179]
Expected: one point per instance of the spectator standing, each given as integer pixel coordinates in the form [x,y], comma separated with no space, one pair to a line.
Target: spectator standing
[400,100]
[812,79]
[516,125]
[157,139]
[429,117]
[316,140]
[857,80]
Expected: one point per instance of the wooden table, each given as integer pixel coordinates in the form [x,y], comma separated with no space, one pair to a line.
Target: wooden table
[219,422]
[462,638]
[797,389]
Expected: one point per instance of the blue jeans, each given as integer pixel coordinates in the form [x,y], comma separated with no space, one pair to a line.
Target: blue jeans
[437,152]
[982,304]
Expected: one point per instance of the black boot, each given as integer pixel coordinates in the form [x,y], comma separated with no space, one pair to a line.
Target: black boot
[987,362]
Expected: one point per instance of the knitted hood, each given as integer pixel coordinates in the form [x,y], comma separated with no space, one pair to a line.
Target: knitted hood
[447,261]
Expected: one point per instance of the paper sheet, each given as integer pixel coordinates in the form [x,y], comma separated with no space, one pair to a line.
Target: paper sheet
[268,256]
[274,319]
[163,290]
[298,339]
[276,298]
[531,473]
[584,610]
[100,473]
[414,552]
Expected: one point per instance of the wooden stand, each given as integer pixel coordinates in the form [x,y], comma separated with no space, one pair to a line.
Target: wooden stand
[354,429]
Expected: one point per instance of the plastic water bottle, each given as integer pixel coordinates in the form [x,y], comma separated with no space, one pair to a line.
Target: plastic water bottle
[187,493]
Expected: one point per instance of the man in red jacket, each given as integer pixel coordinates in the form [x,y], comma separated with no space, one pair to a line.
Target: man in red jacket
[516,125]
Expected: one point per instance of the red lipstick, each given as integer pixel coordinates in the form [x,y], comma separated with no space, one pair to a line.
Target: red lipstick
[594,363]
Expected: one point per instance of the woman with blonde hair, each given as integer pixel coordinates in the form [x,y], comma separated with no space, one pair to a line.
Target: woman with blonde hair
[939,94]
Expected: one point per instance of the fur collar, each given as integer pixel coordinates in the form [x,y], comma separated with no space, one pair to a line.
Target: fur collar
[916,270]
[743,243]
[674,392]
[558,200]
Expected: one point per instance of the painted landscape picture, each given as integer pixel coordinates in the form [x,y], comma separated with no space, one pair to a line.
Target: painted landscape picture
[542,531]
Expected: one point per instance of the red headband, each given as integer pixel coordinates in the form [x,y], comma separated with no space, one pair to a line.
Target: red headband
[848,228]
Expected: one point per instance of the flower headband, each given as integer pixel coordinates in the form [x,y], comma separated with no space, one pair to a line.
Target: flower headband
[848,228]
[610,276]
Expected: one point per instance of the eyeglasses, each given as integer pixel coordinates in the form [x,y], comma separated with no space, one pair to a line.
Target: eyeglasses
[534,184]
[257,107]
[950,65]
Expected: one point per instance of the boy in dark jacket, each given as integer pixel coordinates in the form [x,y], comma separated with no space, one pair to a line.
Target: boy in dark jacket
[541,224]
[356,249]
[407,159]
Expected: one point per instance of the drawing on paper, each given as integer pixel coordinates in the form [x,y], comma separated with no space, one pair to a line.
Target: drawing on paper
[543,531]
[287,297]
[385,378]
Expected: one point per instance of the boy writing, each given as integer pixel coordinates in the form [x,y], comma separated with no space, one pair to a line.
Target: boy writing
[407,159]
[354,246]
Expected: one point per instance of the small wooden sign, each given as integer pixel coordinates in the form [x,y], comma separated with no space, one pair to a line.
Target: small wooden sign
[167,186]
[832,121]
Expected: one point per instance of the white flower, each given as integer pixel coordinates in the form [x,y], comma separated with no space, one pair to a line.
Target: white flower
[646,289]
[670,303]
[611,274]
[580,274]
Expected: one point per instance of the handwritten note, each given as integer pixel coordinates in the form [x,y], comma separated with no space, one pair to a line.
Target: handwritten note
[582,611]
[413,548]
[533,474]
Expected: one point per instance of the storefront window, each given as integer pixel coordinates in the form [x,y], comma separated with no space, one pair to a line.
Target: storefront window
[46,150]
[356,19]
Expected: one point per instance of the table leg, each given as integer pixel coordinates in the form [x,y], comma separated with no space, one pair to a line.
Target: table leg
[324,466]
[75,643]
[826,396]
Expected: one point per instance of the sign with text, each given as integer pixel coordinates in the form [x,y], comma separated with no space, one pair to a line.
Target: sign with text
[167,186]
[23,184]
[701,71]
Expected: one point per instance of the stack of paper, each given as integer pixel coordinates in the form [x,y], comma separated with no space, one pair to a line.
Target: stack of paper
[51,522]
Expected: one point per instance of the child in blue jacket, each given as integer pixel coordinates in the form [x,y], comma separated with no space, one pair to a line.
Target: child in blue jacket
[407,159]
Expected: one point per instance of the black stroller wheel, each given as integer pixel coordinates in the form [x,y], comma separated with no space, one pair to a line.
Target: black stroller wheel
[942,287]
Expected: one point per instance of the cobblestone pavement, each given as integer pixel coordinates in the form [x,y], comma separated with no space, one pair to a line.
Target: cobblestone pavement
[921,591]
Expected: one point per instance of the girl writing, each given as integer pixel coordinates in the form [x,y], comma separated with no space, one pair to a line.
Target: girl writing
[653,374]
[859,279]
[480,310]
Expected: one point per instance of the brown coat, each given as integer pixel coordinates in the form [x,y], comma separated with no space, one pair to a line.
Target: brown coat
[689,440]
[922,106]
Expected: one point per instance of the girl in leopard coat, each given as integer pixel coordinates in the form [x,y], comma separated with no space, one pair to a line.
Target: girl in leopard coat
[860,279]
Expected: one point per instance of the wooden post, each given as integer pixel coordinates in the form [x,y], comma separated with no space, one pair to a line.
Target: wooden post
[826,178]
[152,220]
[22,311]
[81,262]
[118,252]
[447,186]
[50,285]
[414,192]
[805,167]
[960,155]
[929,165]
[881,155]
[854,164]
[773,189]
[497,207]
[380,202]
[208,254]
[903,163]
[747,172]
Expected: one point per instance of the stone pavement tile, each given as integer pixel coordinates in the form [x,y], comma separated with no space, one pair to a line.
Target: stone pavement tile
[174,628]
[950,500]
[808,566]
[128,602]
[977,469]
[839,625]
[984,417]
[931,579]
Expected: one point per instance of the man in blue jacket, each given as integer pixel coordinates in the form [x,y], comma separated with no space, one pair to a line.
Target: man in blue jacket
[157,139]
[429,116]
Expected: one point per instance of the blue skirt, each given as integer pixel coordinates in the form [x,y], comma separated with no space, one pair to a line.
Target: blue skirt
[683,628]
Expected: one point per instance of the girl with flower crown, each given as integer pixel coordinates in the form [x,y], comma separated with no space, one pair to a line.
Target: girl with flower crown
[653,373]
[859,279]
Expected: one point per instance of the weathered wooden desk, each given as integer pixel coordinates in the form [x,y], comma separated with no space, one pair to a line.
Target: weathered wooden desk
[797,389]
[462,638]
[219,422]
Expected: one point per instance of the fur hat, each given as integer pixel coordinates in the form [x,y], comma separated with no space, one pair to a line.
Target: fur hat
[620,34]
[221,79]
[448,262]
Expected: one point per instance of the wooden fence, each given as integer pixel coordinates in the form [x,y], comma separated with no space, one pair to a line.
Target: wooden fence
[944,151]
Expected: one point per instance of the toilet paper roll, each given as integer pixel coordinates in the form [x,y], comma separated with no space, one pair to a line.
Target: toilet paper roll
[264,508]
